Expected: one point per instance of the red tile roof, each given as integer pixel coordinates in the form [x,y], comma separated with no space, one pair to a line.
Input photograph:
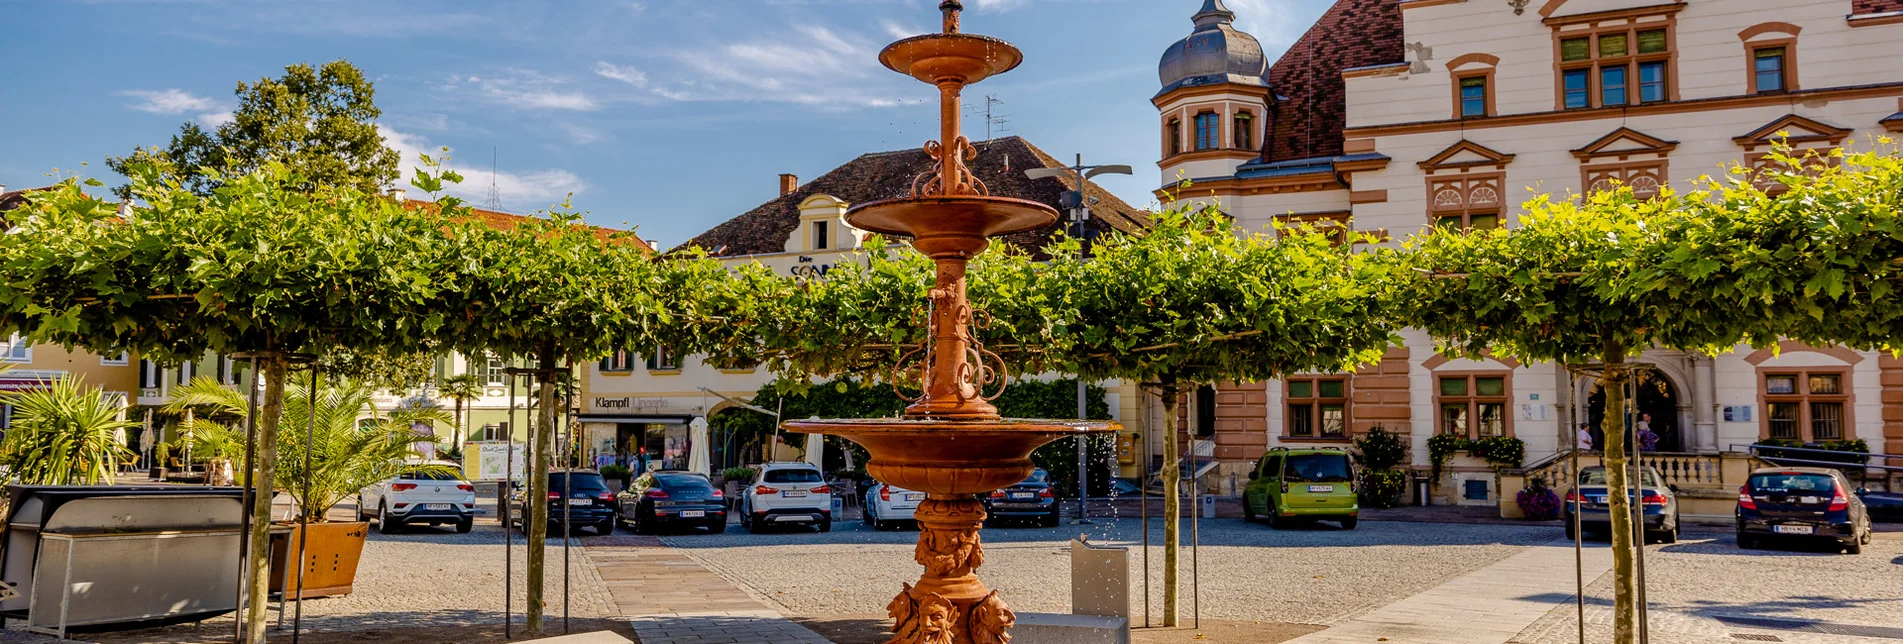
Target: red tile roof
[1313,108]
[1860,7]
[507,220]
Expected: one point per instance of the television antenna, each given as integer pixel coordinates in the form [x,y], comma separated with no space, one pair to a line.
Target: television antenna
[493,201]
[995,121]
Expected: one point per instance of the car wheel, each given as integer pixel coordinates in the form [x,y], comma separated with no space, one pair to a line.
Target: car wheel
[867,516]
[1746,541]
[1275,519]
[1571,533]
[360,514]
[385,523]
[605,528]
[1350,523]
[1670,536]
[1248,513]
[826,525]
[465,525]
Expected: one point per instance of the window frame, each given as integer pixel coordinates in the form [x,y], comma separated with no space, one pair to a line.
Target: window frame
[1804,399]
[1472,400]
[1208,131]
[1242,124]
[821,235]
[620,361]
[1467,185]
[1173,131]
[123,360]
[493,371]
[663,360]
[18,351]
[1624,173]
[1595,63]
[1787,65]
[1485,79]
[1314,402]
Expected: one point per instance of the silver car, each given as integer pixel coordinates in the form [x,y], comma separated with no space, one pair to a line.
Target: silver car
[888,506]
[1658,503]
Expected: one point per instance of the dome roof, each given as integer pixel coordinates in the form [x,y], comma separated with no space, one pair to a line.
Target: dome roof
[1214,53]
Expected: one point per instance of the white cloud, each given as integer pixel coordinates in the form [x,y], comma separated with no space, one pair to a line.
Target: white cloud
[998,5]
[168,101]
[627,75]
[809,64]
[517,190]
[214,119]
[1277,23]
[527,89]
[897,30]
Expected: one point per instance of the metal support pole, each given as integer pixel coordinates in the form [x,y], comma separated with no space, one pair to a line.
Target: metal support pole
[303,517]
[1143,493]
[568,481]
[508,531]
[1638,498]
[1083,457]
[250,465]
[1579,554]
[1195,533]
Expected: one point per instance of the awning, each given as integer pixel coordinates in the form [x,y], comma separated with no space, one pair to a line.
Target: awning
[679,419]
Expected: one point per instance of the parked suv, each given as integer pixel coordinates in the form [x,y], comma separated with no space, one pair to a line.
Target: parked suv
[1030,498]
[787,494]
[1658,504]
[889,505]
[672,498]
[427,492]
[1801,502]
[589,503]
[1305,484]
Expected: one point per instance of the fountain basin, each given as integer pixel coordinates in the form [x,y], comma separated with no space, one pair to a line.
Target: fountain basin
[951,224]
[951,458]
[966,58]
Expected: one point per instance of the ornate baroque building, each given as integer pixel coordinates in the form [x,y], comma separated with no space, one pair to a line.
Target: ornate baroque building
[1391,116]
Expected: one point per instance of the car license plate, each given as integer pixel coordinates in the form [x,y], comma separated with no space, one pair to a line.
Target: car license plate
[436,506]
[1021,495]
[794,494]
[1321,488]
[791,519]
[1791,529]
[1596,500]
[693,514]
[914,497]
[580,502]
[1809,500]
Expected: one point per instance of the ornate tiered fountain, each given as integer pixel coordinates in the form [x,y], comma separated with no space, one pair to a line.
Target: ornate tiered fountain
[951,443]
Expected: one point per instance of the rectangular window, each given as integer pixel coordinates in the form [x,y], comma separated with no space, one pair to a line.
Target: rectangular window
[120,360]
[16,349]
[185,372]
[1317,407]
[1652,42]
[1473,96]
[149,374]
[1768,66]
[1474,406]
[1612,86]
[1652,82]
[1175,133]
[492,374]
[664,359]
[821,237]
[620,360]
[1578,88]
[1806,406]
[1572,49]
[1612,45]
[1245,131]
[1208,131]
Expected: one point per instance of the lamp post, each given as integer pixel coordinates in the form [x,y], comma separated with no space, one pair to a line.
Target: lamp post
[1077,203]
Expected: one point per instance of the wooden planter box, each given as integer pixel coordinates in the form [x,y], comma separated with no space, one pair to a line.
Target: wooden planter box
[330,560]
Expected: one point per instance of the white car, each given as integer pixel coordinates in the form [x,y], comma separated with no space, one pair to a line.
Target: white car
[787,494]
[429,492]
[888,505]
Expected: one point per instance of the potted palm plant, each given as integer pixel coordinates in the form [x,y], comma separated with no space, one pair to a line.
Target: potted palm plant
[335,443]
[63,434]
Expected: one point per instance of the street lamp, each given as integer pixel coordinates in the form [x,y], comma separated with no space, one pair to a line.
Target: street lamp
[1078,203]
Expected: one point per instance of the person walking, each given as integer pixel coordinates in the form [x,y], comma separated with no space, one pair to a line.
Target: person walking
[1648,440]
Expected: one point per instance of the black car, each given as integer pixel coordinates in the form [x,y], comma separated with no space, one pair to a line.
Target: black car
[1029,499]
[1803,503]
[1882,506]
[589,503]
[672,498]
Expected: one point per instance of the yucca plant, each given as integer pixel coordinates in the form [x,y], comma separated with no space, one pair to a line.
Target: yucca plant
[63,434]
[351,445]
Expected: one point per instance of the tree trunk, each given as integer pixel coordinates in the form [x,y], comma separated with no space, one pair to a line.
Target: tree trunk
[257,595]
[456,433]
[538,490]
[1172,477]
[1625,609]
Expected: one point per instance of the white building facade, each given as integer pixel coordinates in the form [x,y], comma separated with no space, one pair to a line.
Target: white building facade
[1392,117]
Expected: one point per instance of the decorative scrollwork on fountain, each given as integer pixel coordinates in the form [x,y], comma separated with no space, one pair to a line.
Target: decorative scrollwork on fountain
[931,183]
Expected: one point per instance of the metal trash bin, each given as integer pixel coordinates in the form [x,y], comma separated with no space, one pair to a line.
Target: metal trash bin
[99,557]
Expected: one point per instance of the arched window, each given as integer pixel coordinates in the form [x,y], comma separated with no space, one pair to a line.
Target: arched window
[1208,131]
[1245,130]
[1175,133]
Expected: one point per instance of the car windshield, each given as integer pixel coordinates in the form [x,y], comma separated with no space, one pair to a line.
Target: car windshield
[684,482]
[1789,482]
[1318,468]
[792,476]
[430,475]
[1038,476]
[1597,476]
[584,482]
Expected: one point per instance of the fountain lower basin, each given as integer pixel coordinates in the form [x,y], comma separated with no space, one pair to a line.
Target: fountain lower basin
[948,457]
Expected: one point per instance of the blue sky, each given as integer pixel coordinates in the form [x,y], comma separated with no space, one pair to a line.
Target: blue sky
[667,115]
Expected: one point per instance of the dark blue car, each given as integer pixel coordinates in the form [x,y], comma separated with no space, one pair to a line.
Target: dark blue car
[1811,503]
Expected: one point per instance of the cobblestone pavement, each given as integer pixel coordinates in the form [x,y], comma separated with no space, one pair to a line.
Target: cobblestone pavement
[423,577]
[1317,575]
[1692,584]
[671,599]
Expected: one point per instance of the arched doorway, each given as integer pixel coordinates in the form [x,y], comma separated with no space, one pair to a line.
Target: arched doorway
[1659,398]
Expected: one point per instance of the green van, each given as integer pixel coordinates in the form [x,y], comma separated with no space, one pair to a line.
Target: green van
[1302,484]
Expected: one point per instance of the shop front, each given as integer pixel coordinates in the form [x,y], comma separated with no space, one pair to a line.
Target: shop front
[658,441]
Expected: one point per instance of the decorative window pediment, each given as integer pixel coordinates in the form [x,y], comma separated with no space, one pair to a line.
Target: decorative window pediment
[1624,143]
[1464,155]
[1799,130]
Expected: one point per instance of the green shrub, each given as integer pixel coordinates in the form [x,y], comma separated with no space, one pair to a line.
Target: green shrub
[1382,488]
[1381,449]
[742,474]
[1502,452]
[1441,447]
[617,472]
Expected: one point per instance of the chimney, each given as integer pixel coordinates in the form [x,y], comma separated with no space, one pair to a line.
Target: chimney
[3,188]
[398,193]
[788,184]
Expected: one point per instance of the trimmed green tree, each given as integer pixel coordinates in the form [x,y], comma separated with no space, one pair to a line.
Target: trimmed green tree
[267,263]
[1195,301]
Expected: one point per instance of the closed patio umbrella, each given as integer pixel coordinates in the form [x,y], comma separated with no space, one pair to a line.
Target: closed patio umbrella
[697,458]
[816,450]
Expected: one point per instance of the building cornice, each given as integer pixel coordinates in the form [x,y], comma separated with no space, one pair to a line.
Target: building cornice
[1626,111]
[1193,91]
[1239,154]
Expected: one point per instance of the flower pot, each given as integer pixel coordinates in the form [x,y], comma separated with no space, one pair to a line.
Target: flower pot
[156,473]
[330,558]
